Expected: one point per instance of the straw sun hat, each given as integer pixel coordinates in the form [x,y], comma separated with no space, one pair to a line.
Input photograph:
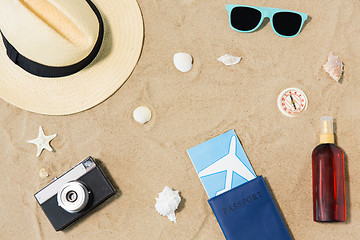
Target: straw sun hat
[60,57]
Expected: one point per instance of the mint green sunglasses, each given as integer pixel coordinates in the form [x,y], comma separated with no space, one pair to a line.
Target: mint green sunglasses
[285,23]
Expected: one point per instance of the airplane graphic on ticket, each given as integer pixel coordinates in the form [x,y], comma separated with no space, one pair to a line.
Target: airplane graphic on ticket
[221,163]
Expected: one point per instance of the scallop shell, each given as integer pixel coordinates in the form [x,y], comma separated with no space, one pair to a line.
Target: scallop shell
[142,114]
[228,59]
[334,67]
[183,61]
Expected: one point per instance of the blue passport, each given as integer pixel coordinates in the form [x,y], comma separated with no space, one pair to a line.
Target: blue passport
[240,201]
[248,212]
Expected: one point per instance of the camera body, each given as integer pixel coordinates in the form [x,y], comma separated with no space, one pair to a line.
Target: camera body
[75,193]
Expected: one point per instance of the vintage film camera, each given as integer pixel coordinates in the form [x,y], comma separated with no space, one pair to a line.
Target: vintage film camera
[75,193]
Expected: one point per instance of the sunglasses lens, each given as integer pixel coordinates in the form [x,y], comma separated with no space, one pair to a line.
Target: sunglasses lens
[287,23]
[244,18]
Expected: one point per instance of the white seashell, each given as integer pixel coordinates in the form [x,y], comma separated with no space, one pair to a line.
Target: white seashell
[142,114]
[183,61]
[334,67]
[167,202]
[43,173]
[228,59]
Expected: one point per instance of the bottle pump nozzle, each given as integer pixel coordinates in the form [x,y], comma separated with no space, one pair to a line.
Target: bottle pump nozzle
[327,129]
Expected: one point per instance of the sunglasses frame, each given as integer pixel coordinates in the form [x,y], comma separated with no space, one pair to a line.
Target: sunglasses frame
[266,12]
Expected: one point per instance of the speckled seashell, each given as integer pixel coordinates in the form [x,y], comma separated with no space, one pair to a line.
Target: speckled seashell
[228,59]
[183,61]
[142,114]
[334,67]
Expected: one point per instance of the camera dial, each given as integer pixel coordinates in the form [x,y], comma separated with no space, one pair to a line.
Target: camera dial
[73,196]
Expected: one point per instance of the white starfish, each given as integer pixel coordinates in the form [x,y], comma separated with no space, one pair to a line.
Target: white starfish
[42,142]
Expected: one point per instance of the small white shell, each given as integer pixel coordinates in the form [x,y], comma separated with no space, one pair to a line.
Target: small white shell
[43,173]
[228,59]
[334,67]
[142,114]
[183,61]
[167,202]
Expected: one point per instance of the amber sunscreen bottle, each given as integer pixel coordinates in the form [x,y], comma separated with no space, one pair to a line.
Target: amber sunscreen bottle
[328,176]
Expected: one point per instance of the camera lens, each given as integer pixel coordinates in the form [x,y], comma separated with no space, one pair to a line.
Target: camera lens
[73,196]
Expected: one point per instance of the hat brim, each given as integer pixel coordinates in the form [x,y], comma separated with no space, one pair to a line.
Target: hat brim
[122,44]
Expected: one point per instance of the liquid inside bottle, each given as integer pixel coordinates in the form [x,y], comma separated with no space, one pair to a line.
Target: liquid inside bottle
[329,203]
